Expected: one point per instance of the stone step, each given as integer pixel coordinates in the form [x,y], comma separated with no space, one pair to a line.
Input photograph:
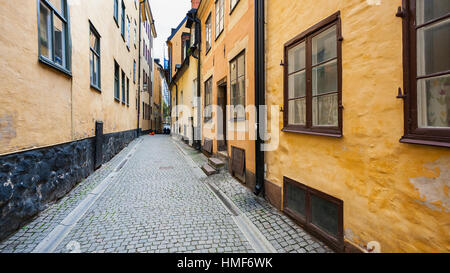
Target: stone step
[208,170]
[216,163]
[223,155]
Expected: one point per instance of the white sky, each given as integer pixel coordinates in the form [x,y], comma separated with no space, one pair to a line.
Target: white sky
[167,14]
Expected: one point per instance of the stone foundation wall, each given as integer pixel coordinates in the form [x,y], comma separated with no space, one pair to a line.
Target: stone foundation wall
[31,180]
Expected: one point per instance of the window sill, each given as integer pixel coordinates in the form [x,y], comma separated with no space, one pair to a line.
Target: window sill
[55,66]
[309,132]
[116,100]
[117,23]
[409,140]
[207,120]
[208,50]
[96,88]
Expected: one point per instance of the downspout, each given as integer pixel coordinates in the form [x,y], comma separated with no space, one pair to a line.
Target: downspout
[259,93]
[139,68]
[197,142]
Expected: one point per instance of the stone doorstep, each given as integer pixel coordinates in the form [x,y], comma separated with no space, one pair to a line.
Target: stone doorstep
[216,163]
[208,170]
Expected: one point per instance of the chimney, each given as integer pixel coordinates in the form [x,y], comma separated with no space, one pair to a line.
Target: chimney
[195,3]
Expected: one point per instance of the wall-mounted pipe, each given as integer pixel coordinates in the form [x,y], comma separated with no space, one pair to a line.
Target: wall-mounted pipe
[259,92]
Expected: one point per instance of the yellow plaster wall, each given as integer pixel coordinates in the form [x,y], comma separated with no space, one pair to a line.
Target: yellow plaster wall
[238,36]
[393,193]
[175,46]
[41,106]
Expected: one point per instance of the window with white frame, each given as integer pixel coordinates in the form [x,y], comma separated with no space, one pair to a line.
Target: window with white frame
[219,17]
[208,33]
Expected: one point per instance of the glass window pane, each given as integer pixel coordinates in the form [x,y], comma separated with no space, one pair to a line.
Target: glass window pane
[233,71]
[433,102]
[93,42]
[296,199]
[428,10]
[433,48]
[324,46]
[325,110]
[324,78]
[297,85]
[297,112]
[97,71]
[297,58]
[324,214]
[59,43]
[57,4]
[234,94]
[241,66]
[45,45]
[91,61]
[241,92]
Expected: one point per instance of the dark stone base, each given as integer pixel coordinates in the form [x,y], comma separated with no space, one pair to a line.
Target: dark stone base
[30,180]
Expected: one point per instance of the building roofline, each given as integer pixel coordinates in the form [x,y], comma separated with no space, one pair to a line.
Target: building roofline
[176,30]
[147,15]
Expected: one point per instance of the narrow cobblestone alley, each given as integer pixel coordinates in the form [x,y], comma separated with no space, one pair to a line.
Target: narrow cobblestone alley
[156,202]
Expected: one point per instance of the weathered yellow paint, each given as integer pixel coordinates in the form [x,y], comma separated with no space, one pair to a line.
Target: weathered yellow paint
[187,92]
[374,174]
[237,36]
[41,106]
[183,88]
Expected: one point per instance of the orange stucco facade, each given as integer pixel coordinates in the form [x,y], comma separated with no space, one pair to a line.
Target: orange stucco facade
[237,38]
[393,193]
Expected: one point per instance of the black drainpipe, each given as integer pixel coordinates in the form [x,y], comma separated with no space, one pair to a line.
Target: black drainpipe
[197,143]
[259,92]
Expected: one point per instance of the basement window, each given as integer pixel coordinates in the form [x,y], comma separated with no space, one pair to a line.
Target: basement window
[237,161]
[318,212]
[54,48]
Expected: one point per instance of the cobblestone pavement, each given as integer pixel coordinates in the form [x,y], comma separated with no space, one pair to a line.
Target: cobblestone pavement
[29,236]
[284,235]
[156,203]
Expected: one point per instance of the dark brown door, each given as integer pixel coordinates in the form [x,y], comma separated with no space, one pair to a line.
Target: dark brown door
[222,103]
